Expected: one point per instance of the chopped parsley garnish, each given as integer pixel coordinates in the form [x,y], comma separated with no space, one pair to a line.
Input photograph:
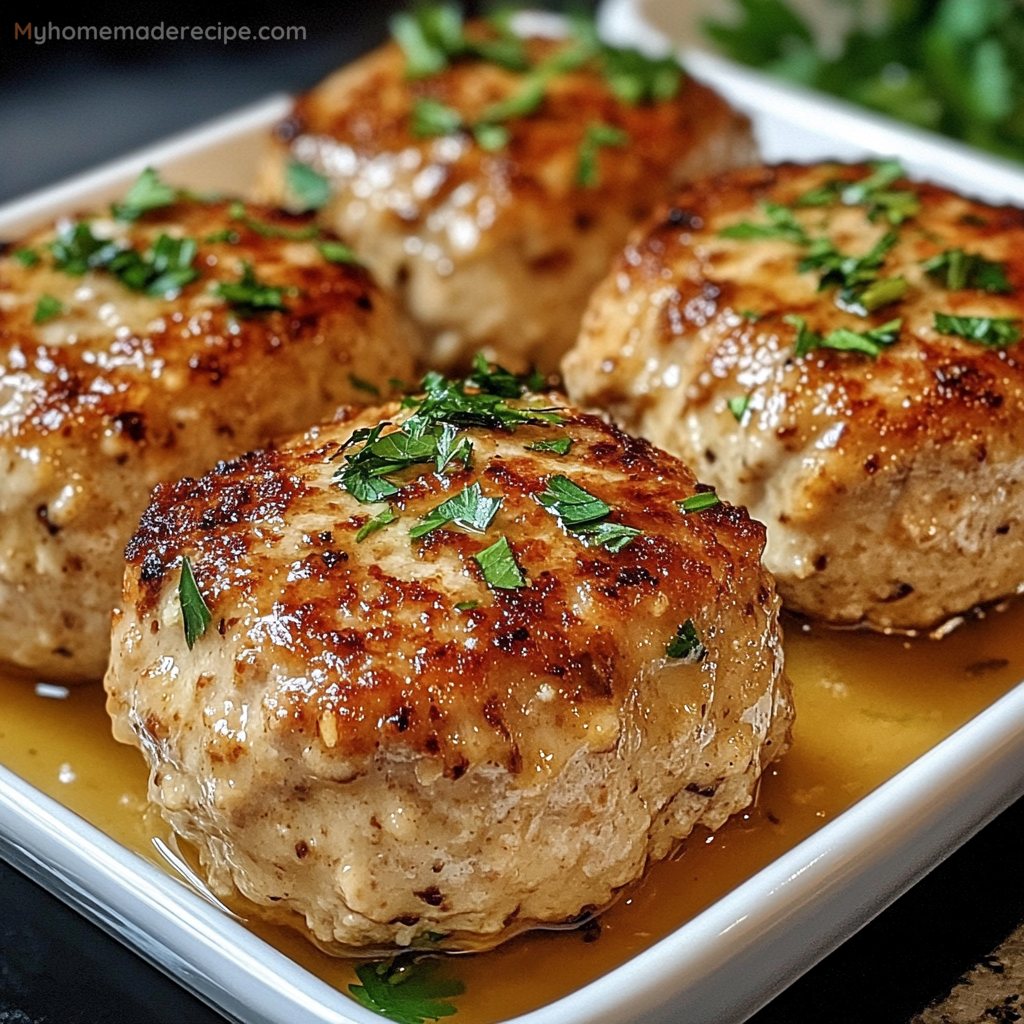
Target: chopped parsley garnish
[378,522]
[857,277]
[596,136]
[991,331]
[752,315]
[556,445]
[249,297]
[699,502]
[782,223]
[871,342]
[738,406]
[429,36]
[160,272]
[955,269]
[584,515]
[308,189]
[228,235]
[520,104]
[431,434]
[491,137]
[364,385]
[635,78]
[148,193]
[26,257]
[686,644]
[339,252]
[237,211]
[499,567]
[194,612]
[466,606]
[406,991]
[431,118]
[47,308]
[893,205]
[470,508]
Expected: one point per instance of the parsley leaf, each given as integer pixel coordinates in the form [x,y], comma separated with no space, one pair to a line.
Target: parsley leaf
[339,252]
[378,522]
[698,502]
[248,297]
[194,612]
[556,445]
[491,137]
[894,205]
[499,567]
[470,508]
[686,644]
[148,193]
[364,385]
[781,224]
[584,515]
[520,104]
[308,189]
[76,249]
[237,211]
[596,136]
[862,291]
[406,991]
[26,257]
[431,118]
[636,78]
[47,308]
[428,36]
[738,406]
[991,331]
[871,342]
[955,269]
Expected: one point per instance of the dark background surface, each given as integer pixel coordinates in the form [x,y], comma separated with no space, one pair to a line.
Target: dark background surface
[66,107]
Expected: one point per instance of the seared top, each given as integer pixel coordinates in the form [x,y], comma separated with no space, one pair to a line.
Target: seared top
[747,282]
[89,327]
[362,128]
[385,638]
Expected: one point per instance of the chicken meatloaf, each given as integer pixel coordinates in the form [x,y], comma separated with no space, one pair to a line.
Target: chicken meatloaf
[143,344]
[839,350]
[490,179]
[449,670]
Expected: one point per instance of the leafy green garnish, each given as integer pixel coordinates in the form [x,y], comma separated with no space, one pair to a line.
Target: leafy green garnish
[491,137]
[955,269]
[406,991]
[249,297]
[499,567]
[378,522]
[991,331]
[194,612]
[738,406]
[148,193]
[26,257]
[871,342]
[686,644]
[364,385]
[76,249]
[857,277]
[954,66]
[893,205]
[237,211]
[556,445]
[698,502]
[636,78]
[431,118]
[428,36]
[752,315]
[339,252]
[781,224]
[470,508]
[228,235]
[584,515]
[596,136]
[520,104]
[307,188]
[466,606]
[47,308]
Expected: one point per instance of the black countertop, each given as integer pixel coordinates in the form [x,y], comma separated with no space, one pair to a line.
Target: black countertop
[65,107]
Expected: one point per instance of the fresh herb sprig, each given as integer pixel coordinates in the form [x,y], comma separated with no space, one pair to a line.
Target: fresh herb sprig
[686,645]
[873,192]
[499,566]
[377,522]
[406,990]
[584,515]
[955,270]
[470,508]
[782,224]
[195,614]
[861,289]
[990,331]
[595,138]
[249,297]
[47,308]
[871,342]
[149,192]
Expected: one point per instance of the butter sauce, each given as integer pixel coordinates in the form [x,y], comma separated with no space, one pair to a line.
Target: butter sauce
[867,705]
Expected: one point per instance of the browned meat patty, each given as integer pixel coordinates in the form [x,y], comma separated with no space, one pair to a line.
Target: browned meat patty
[839,350]
[480,699]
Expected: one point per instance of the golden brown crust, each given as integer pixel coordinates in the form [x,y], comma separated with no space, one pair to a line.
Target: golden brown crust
[689,320]
[109,390]
[431,214]
[362,633]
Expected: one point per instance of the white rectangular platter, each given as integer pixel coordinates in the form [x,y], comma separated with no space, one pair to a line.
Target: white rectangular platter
[736,955]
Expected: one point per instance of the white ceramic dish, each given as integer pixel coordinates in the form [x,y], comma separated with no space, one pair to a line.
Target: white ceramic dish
[735,956]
